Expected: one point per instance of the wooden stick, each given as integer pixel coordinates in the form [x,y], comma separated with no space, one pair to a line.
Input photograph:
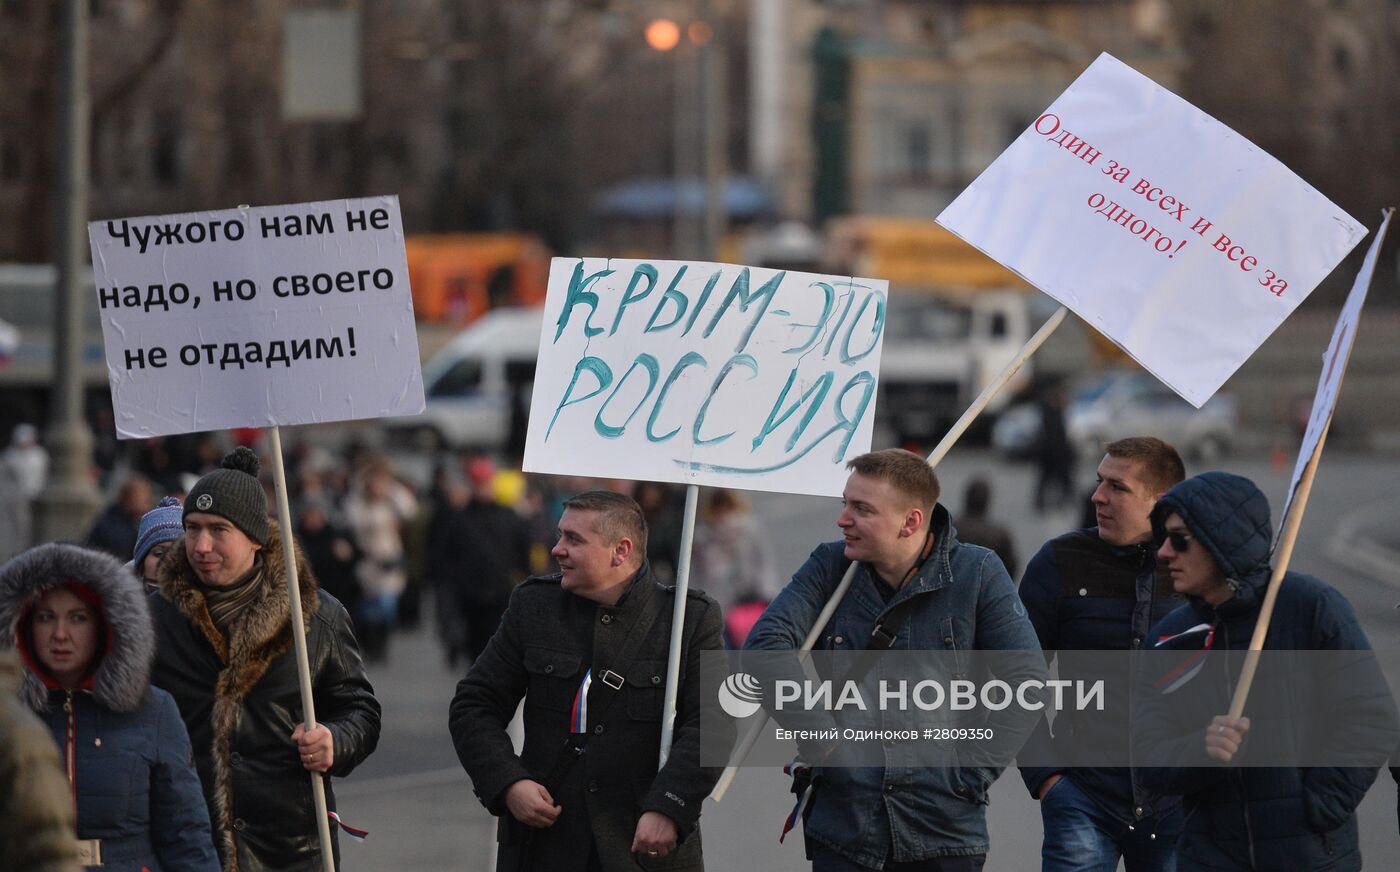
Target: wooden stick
[944,446]
[1284,555]
[1296,506]
[673,657]
[308,704]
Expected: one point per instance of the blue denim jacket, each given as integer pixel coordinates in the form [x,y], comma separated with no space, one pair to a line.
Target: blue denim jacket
[905,813]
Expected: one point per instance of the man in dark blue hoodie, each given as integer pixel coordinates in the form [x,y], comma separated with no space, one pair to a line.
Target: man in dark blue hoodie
[1215,535]
[1098,589]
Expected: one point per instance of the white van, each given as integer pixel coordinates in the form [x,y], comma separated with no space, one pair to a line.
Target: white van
[478,386]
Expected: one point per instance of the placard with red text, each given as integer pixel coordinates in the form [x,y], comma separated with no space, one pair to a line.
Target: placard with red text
[1171,234]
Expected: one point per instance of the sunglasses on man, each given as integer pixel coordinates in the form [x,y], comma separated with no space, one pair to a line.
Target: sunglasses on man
[1180,539]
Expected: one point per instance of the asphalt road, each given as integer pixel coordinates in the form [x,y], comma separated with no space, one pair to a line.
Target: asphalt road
[418,804]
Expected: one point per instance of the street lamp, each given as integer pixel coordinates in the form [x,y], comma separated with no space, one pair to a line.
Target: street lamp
[663,34]
[68,503]
[712,118]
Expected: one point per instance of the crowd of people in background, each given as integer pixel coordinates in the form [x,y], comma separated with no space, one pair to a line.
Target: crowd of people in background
[161,640]
[383,542]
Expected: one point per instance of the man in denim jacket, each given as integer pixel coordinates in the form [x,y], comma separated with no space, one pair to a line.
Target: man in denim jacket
[906,818]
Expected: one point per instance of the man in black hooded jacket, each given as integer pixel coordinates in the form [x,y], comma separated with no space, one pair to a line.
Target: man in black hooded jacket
[1243,809]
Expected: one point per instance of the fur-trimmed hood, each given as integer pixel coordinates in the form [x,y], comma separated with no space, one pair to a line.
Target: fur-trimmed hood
[122,679]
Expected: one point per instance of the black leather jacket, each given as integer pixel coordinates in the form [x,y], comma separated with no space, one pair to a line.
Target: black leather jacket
[240,698]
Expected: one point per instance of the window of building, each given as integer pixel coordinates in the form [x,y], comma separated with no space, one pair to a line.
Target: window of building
[1341,61]
[238,160]
[1016,125]
[10,161]
[324,144]
[918,151]
[165,149]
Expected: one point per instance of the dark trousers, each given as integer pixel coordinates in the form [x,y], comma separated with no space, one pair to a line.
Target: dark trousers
[826,860]
[1081,837]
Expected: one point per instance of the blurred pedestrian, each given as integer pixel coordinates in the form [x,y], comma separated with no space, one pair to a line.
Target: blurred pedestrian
[157,533]
[732,561]
[223,628]
[331,551]
[584,793]
[479,552]
[664,508]
[116,529]
[81,623]
[1054,455]
[36,805]
[975,526]
[16,518]
[376,511]
[541,523]
[28,459]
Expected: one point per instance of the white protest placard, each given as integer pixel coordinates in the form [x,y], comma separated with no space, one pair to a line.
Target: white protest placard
[1334,362]
[705,373]
[1168,232]
[254,317]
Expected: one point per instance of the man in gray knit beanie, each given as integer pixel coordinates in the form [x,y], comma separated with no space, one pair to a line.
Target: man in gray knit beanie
[222,619]
[233,492]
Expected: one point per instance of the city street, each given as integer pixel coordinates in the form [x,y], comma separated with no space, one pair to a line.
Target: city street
[418,804]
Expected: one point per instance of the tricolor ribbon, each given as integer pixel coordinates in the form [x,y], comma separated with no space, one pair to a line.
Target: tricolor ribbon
[1186,669]
[578,717]
[355,833]
[794,768]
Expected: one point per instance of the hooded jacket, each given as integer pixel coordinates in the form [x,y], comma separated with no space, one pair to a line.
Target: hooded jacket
[1237,816]
[239,694]
[123,743]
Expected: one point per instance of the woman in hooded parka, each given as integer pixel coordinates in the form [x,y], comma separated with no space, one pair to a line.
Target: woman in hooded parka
[81,624]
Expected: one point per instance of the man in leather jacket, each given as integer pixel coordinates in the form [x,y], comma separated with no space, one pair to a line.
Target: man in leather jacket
[222,616]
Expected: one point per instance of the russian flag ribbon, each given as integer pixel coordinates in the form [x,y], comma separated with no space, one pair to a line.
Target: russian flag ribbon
[578,717]
[355,833]
[1187,669]
[794,768]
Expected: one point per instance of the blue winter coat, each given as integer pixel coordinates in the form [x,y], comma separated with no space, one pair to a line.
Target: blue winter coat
[137,791]
[134,780]
[967,602]
[1241,817]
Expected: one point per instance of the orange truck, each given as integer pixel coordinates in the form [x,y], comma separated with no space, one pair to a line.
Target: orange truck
[457,277]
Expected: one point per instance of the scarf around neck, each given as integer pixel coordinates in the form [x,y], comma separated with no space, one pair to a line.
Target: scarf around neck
[225,602]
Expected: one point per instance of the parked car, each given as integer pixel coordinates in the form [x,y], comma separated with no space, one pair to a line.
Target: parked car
[1126,403]
[477,386]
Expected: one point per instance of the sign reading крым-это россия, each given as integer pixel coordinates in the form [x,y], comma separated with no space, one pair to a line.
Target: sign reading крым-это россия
[705,373]
[252,317]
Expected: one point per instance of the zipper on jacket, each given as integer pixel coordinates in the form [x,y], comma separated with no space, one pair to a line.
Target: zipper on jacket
[1238,776]
[70,749]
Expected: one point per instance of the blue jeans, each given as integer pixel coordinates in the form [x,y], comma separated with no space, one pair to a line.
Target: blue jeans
[1081,837]
[826,860]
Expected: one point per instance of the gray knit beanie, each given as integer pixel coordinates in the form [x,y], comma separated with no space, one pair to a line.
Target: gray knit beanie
[233,492]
